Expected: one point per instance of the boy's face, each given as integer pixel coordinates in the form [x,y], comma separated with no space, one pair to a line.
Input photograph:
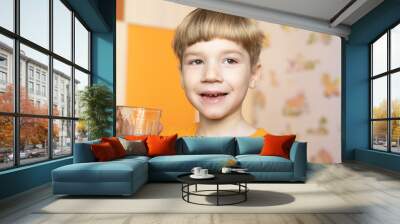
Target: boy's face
[216,75]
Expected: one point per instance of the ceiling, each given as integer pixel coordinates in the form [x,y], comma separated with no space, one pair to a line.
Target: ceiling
[328,16]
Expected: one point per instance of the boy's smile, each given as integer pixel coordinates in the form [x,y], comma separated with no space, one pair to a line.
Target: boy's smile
[216,75]
[210,97]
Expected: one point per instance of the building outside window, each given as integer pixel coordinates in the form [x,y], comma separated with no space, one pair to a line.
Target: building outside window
[3,71]
[38,89]
[44,77]
[3,78]
[37,74]
[30,87]
[43,90]
[30,72]
[3,60]
[55,98]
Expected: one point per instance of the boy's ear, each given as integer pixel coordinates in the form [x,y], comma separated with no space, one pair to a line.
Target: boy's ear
[255,75]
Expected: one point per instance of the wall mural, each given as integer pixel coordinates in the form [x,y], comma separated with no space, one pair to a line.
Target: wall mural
[299,90]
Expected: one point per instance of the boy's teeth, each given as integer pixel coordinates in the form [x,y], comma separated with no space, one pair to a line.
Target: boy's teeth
[214,95]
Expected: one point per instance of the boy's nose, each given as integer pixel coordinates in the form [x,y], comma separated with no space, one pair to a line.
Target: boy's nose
[211,74]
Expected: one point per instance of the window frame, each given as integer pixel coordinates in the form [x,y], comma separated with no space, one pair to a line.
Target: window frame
[388,74]
[16,115]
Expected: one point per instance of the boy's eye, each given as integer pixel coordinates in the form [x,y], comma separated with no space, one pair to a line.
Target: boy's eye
[230,61]
[195,62]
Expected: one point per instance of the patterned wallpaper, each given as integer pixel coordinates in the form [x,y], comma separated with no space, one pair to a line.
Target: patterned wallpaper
[300,89]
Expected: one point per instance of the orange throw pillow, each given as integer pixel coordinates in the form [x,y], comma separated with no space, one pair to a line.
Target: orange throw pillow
[161,145]
[103,151]
[116,145]
[275,145]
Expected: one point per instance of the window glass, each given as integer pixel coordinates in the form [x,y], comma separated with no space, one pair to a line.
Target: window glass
[34,81]
[395,94]
[6,142]
[395,47]
[62,91]
[6,74]
[62,29]
[81,131]
[379,97]
[33,140]
[34,21]
[379,56]
[7,14]
[81,45]
[62,137]
[395,138]
[379,135]
[81,81]
[39,62]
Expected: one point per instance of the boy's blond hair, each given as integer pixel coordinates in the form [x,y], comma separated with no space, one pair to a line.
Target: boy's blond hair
[204,25]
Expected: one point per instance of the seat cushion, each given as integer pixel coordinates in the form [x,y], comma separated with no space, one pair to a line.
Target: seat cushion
[206,145]
[185,163]
[134,157]
[132,160]
[111,171]
[257,163]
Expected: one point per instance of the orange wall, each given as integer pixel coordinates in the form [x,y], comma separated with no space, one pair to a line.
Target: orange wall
[153,77]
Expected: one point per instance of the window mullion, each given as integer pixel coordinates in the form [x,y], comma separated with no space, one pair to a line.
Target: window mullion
[50,81]
[371,141]
[73,82]
[389,77]
[16,85]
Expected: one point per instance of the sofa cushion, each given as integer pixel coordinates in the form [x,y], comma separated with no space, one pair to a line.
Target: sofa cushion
[185,163]
[134,147]
[206,145]
[116,145]
[111,171]
[257,163]
[249,145]
[83,152]
[161,145]
[277,145]
[103,151]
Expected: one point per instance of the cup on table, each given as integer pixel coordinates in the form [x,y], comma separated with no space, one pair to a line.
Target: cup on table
[203,172]
[196,171]
[226,170]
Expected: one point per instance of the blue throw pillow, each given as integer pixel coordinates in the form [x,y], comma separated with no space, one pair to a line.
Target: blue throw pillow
[249,145]
[206,145]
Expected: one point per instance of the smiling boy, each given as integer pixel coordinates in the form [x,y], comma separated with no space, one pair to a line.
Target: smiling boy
[219,62]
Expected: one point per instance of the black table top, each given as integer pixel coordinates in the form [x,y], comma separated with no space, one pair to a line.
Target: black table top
[220,178]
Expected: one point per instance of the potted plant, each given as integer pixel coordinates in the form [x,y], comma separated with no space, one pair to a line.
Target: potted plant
[96,103]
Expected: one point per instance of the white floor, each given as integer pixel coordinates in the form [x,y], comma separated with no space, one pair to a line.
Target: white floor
[377,189]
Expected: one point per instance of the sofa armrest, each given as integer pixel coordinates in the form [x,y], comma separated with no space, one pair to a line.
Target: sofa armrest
[83,152]
[298,155]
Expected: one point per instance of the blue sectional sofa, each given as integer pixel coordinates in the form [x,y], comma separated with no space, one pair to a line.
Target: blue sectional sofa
[125,176]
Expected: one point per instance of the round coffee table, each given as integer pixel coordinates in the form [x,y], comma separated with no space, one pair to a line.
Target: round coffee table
[238,179]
